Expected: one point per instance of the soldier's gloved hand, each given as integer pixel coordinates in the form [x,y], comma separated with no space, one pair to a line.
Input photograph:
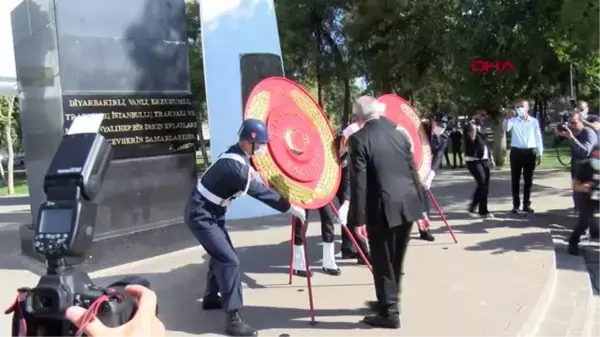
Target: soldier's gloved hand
[298,212]
[429,179]
[343,212]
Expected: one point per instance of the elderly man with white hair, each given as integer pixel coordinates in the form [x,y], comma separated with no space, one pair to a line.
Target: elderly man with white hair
[386,199]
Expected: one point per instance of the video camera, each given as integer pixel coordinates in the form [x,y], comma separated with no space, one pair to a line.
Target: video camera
[63,235]
[564,122]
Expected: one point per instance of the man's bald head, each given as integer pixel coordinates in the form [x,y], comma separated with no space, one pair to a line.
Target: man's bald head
[366,108]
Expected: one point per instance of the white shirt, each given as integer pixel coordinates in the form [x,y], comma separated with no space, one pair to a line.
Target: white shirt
[525,133]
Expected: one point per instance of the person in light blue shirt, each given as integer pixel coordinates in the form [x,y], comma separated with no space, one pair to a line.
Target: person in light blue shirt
[526,149]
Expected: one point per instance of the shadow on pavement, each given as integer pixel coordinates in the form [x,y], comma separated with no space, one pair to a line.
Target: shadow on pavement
[177,288]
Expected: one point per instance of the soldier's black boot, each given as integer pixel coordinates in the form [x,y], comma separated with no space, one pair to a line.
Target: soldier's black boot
[235,326]
[212,302]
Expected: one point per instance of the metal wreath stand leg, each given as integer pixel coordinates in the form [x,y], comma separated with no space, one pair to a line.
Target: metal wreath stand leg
[307,259]
[439,210]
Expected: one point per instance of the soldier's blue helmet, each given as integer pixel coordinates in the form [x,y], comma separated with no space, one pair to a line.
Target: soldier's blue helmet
[254,130]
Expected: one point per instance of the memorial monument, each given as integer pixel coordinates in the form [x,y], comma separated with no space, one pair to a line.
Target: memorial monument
[128,60]
[241,47]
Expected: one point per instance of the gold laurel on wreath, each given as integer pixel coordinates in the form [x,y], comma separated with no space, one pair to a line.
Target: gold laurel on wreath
[265,164]
[425,166]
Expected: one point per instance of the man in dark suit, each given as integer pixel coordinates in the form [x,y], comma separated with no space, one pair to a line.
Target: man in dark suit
[386,196]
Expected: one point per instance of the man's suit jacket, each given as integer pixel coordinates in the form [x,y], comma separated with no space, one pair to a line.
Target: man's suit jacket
[385,186]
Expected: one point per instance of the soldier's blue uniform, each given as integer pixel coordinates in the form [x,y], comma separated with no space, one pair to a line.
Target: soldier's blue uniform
[229,177]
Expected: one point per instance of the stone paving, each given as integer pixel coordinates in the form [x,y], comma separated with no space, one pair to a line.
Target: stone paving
[487,284]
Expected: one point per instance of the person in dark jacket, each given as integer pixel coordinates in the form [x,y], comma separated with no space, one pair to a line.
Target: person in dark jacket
[456,138]
[348,251]
[229,177]
[438,142]
[387,197]
[328,218]
[479,162]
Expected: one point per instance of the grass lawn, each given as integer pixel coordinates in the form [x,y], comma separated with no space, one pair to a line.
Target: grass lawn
[21,187]
[550,158]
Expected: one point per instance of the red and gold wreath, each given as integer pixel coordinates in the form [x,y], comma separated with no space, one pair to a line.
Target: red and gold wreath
[301,163]
[399,111]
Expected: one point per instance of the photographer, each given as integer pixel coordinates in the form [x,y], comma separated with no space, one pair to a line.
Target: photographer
[591,121]
[582,139]
[585,184]
[479,162]
[144,322]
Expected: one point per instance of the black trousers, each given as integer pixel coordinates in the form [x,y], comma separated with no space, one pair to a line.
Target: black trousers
[459,154]
[388,248]
[480,170]
[522,161]
[447,157]
[327,229]
[586,220]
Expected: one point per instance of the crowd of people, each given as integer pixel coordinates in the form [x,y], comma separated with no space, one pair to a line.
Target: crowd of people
[381,198]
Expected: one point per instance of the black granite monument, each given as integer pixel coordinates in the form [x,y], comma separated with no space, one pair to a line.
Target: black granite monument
[127,59]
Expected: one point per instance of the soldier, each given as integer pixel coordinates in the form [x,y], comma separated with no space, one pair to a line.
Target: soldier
[229,177]
[327,218]
[438,141]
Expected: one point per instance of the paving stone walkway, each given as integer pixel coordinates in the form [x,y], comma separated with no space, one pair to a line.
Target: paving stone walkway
[487,285]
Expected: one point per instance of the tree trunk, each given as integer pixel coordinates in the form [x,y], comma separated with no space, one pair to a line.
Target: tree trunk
[347,103]
[499,141]
[205,158]
[11,157]
[2,174]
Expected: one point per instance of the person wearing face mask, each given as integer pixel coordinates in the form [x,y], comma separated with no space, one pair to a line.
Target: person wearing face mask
[327,217]
[230,176]
[526,149]
[438,142]
[479,163]
[582,139]
[589,120]
[586,184]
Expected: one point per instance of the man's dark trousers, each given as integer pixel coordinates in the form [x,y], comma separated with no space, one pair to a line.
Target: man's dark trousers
[388,249]
[207,223]
[522,161]
[585,219]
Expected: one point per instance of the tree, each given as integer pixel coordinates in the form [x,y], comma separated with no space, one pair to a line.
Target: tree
[196,67]
[8,105]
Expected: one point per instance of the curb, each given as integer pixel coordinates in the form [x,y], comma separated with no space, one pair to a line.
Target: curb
[540,309]
[569,309]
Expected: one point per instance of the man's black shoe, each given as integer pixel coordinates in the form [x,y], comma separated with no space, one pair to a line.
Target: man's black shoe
[426,235]
[573,249]
[386,322]
[235,326]
[515,211]
[348,254]
[528,210]
[212,302]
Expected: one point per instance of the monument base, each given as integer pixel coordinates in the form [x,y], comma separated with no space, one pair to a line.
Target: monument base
[109,251]
[114,250]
